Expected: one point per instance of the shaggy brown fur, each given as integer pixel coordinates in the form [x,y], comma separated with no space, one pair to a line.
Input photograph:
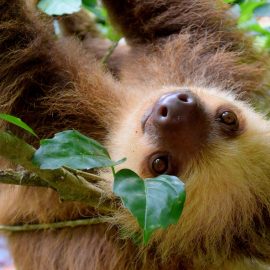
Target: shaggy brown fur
[53,85]
[82,26]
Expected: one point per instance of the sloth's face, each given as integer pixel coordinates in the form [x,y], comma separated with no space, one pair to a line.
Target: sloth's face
[216,144]
[182,126]
[173,131]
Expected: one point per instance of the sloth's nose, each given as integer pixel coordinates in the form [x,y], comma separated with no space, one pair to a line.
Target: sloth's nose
[179,124]
[175,109]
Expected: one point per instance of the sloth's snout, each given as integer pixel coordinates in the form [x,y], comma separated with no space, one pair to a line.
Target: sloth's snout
[178,122]
[175,109]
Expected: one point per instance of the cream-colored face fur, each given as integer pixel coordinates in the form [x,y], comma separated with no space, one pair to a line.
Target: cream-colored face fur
[128,140]
[228,187]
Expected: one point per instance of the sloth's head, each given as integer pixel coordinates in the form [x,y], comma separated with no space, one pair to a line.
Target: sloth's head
[220,148]
[177,131]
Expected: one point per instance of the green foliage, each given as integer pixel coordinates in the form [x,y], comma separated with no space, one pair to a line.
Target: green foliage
[96,9]
[17,121]
[155,202]
[229,1]
[72,149]
[250,14]
[102,21]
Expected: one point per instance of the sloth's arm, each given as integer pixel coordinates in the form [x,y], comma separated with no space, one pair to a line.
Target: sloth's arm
[208,26]
[47,83]
[147,21]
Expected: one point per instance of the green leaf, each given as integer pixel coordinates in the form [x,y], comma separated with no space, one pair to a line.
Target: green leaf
[59,7]
[90,3]
[95,8]
[72,149]
[247,9]
[234,1]
[229,1]
[155,202]
[98,12]
[18,122]
[108,32]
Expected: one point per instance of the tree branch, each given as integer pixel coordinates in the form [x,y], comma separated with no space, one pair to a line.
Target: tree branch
[70,186]
[22,178]
[56,225]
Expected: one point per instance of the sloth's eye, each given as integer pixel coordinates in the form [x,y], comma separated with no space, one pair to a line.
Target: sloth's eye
[160,164]
[229,122]
[229,118]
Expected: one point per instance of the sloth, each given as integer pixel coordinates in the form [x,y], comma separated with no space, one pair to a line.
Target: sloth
[181,104]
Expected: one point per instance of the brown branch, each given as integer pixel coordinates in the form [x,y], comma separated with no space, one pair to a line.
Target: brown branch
[70,186]
[22,178]
[56,225]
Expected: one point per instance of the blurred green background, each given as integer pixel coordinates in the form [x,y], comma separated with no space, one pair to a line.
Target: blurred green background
[253,16]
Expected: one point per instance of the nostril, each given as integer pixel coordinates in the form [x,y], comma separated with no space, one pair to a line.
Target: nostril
[163,110]
[183,97]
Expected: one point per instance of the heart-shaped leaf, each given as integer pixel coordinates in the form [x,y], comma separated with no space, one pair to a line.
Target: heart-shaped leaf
[72,149]
[59,7]
[18,122]
[155,202]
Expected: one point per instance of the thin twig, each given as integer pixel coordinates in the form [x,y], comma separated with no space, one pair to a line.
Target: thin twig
[56,225]
[109,52]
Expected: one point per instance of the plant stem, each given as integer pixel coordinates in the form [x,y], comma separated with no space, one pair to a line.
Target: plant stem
[56,225]
[109,52]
